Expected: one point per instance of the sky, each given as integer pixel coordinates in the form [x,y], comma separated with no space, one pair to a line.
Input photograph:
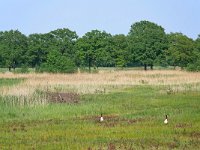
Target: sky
[112,16]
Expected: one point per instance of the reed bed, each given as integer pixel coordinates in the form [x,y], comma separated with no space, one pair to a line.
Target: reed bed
[104,81]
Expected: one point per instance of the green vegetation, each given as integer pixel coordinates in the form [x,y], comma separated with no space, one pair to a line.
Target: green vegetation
[133,120]
[9,82]
[146,44]
[57,63]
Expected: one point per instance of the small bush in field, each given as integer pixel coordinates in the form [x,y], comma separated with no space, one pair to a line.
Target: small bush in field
[23,69]
[194,67]
[57,63]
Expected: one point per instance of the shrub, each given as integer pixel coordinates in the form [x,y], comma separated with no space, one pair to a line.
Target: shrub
[193,67]
[23,69]
[86,70]
[57,63]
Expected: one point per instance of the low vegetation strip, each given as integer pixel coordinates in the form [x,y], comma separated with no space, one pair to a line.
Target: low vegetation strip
[10,81]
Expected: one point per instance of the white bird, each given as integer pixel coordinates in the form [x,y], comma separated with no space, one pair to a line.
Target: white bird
[166,120]
[101,118]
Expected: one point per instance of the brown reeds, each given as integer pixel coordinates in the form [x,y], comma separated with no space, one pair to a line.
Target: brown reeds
[100,82]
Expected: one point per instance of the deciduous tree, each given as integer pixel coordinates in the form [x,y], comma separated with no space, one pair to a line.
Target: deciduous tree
[147,41]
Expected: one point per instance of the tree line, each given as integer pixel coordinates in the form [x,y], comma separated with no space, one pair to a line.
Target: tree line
[62,50]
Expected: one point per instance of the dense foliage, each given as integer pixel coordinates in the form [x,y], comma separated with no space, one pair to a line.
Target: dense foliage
[147,43]
[61,50]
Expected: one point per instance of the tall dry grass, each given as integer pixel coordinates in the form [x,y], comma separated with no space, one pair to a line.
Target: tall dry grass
[90,83]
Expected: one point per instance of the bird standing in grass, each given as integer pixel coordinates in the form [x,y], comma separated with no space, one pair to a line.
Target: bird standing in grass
[166,120]
[101,118]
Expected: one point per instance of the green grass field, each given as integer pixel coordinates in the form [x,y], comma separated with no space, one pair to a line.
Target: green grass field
[133,120]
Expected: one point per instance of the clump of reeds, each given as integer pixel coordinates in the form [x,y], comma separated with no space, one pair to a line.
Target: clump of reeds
[102,82]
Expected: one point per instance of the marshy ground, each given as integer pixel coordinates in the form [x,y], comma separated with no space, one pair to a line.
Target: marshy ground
[38,111]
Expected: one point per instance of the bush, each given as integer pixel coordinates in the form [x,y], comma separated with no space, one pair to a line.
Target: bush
[195,64]
[57,63]
[193,67]
[23,69]
[86,70]
[42,68]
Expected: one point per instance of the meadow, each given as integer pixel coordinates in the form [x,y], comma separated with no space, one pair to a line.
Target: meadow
[133,102]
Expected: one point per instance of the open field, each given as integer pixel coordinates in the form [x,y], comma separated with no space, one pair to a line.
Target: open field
[133,103]
[104,80]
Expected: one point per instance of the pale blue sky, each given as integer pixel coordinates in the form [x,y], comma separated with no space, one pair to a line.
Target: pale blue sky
[113,16]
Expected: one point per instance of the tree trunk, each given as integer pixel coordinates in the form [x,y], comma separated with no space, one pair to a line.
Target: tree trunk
[151,67]
[145,67]
[89,63]
[89,68]
[14,65]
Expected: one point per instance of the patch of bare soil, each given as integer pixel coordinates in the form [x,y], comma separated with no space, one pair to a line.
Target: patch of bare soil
[132,121]
[183,125]
[112,120]
[23,127]
[111,146]
[195,135]
[172,145]
[17,127]
[120,121]
[63,97]
[96,118]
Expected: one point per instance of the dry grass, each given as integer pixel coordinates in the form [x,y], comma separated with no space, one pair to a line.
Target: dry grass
[99,82]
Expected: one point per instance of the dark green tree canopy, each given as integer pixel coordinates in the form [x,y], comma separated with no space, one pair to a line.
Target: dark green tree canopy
[38,47]
[13,45]
[194,61]
[147,42]
[93,49]
[145,45]
[180,50]
[62,40]
[120,52]
[57,63]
